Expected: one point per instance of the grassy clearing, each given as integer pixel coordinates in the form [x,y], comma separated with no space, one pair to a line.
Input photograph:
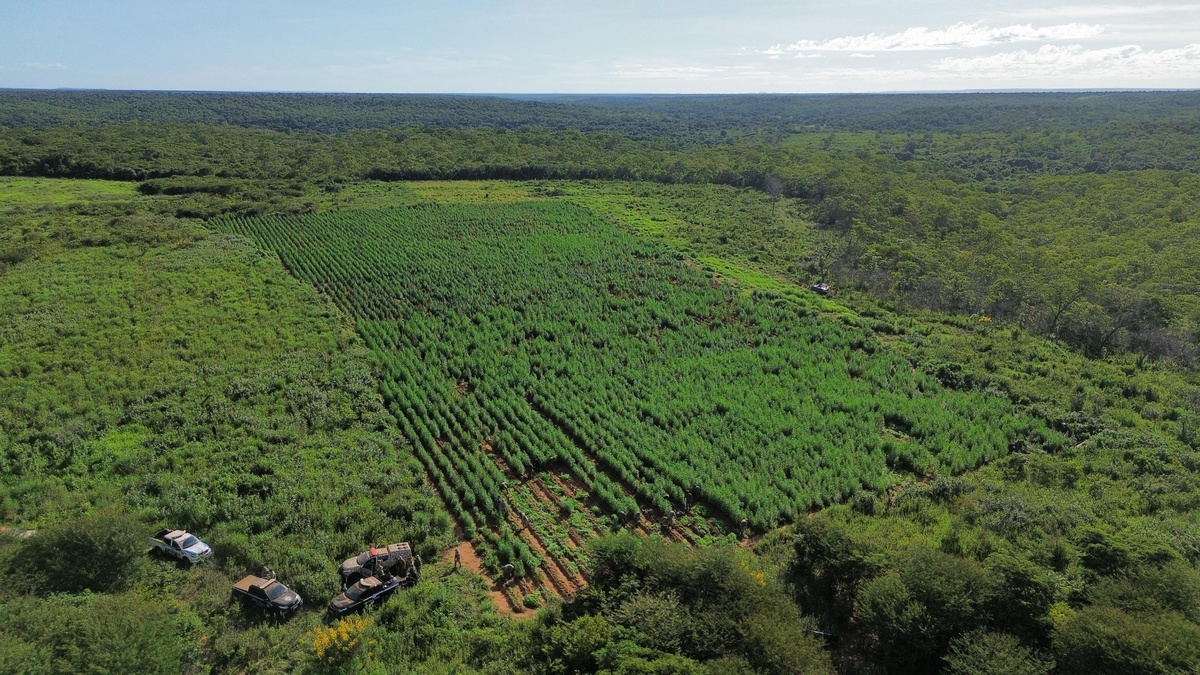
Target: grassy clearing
[44,192]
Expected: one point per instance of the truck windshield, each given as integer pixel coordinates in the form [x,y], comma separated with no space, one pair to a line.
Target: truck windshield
[189,541]
[275,590]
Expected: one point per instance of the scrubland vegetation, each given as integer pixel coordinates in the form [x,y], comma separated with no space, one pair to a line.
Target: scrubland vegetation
[980,455]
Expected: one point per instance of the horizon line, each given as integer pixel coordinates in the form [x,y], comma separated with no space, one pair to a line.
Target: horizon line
[314,92]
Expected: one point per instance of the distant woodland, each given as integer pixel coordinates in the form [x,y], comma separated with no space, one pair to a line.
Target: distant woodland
[1068,214]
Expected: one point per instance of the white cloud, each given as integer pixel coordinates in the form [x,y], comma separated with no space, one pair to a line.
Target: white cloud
[856,55]
[958,36]
[1055,61]
[46,66]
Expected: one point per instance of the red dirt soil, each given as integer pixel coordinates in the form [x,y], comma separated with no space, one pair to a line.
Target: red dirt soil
[508,602]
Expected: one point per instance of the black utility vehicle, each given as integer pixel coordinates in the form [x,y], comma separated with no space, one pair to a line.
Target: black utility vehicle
[268,594]
[365,592]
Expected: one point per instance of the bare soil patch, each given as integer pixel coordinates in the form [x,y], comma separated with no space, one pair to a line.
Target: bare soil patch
[507,602]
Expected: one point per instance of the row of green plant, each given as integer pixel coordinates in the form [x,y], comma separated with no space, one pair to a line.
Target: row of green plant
[556,339]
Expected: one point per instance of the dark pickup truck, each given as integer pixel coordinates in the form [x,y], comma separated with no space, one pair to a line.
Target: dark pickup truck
[393,559]
[268,594]
[364,592]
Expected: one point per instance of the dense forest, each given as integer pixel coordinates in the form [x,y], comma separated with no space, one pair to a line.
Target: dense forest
[646,116]
[577,333]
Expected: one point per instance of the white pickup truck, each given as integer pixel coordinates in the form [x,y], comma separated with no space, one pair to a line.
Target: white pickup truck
[180,545]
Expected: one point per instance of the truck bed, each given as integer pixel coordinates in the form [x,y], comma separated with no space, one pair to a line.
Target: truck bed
[251,580]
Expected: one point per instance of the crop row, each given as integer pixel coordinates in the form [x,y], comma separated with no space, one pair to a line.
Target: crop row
[540,335]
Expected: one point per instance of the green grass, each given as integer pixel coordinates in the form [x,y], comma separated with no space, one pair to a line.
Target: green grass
[43,192]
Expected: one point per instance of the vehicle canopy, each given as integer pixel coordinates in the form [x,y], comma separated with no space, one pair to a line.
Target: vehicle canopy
[251,582]
[392,552]
[401,551]
[179,538]
[270,590]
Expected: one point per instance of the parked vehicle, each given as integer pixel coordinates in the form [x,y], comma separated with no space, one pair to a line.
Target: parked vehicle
[268,594]
[392,559]
[364,592]
[180,545]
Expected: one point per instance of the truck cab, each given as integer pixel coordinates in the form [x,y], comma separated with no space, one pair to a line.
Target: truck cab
[181,545]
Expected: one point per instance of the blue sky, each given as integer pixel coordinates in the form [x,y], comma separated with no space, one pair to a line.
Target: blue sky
[535,46]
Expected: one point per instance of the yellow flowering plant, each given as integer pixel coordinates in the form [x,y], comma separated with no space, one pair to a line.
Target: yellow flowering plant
[337,644]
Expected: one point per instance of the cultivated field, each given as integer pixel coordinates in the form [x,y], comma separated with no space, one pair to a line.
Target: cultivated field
[534,338]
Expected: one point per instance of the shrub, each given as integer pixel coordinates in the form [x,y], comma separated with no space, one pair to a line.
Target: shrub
[532,600]
[336,645]
[570,647]
[918,607]
[828,568]
[713,602]
[660,618]
[126,633]
[89,553]
[985,653]
[1023,597]
[1102,640]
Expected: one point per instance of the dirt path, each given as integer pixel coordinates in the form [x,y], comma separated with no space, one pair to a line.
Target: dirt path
[750,541]
[506,602]
[665,528]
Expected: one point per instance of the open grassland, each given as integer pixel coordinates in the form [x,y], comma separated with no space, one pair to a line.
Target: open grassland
[136,371]
[50,192]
